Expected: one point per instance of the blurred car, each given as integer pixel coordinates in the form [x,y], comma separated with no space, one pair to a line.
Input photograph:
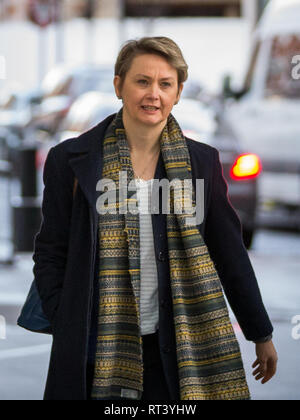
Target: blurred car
[265,113]
[16,108]
[86,112]
[241,170]
[192,89]
[63,85]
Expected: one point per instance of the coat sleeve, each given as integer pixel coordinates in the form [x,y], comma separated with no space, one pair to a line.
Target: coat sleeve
[51,243]
[223,237]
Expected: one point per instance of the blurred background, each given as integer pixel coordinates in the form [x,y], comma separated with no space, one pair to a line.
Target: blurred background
[242,97]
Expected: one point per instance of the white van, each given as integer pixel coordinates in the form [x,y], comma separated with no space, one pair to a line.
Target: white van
[266,114]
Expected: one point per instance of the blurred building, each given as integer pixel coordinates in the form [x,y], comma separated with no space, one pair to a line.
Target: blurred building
[17,9]
[172,8]
[221,8]
[13,9]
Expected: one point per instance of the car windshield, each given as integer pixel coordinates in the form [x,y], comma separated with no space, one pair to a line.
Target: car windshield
[283,77]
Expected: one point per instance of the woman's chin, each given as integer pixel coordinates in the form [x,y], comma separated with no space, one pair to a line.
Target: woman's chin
[150,120]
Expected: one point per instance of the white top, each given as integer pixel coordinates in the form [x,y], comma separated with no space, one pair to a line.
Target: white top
[149,281]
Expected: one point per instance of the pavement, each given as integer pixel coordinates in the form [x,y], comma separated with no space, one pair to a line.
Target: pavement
[24,356]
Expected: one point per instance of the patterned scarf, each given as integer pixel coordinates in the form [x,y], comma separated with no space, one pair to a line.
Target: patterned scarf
[208,354]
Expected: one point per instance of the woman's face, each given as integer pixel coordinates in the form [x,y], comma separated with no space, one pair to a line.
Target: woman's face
[149,91]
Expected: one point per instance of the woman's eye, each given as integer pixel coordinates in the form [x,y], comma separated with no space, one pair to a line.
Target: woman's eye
[142,81]
[166,84]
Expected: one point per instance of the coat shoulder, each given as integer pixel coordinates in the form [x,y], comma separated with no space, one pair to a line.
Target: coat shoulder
[200,148]
[203,157]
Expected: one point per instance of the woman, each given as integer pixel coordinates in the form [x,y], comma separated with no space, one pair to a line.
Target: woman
[135,303]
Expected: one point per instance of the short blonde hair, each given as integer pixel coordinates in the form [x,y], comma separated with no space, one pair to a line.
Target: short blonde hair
[161,46]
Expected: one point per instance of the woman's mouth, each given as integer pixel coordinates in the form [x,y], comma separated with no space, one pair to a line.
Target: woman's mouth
[150,109]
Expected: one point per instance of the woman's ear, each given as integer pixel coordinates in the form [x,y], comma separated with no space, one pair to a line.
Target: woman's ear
[117,85]
[179,93]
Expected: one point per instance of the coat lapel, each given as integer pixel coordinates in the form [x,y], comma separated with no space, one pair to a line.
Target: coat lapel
[86,161]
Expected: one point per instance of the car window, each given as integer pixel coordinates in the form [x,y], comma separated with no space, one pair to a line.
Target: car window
[280,82]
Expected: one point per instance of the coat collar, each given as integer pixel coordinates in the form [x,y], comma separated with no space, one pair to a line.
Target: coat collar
[86,159]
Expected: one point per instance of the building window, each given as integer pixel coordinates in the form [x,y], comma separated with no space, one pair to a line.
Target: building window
[174,8]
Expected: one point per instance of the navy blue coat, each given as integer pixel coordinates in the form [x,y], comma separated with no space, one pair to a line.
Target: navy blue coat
[66,259]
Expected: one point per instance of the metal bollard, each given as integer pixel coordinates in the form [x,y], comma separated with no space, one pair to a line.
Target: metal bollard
[6,240]
[27,206]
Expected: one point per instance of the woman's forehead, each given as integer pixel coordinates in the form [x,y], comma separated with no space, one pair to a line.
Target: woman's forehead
[148,64]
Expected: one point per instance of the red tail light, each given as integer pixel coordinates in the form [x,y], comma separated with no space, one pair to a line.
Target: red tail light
[246,167]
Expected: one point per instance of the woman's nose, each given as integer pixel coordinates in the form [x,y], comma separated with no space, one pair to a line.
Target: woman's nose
[154,91]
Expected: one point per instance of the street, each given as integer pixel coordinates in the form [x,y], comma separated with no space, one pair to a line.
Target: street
[24,356]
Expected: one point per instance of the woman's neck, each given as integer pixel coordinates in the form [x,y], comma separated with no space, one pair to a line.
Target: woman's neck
[142,139]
